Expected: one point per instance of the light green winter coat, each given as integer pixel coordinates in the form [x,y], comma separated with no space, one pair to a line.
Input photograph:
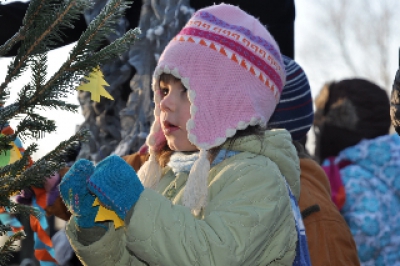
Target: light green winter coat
[248,219]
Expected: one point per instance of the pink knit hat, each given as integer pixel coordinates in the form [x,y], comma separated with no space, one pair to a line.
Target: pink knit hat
[234,74]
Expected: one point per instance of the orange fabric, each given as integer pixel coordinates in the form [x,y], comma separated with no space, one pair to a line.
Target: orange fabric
[30,162]
[329,238]
[17,229]
[44,255]
[136,160]
[7,131]
[36,227]
[41,197]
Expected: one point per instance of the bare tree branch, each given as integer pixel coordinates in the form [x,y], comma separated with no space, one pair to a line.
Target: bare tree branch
[361,33]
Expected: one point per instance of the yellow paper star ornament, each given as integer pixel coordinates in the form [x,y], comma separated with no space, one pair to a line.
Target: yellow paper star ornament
[104,214]
[95,85]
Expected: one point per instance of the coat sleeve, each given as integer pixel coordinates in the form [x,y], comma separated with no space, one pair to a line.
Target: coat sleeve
[248,222]
[109,250]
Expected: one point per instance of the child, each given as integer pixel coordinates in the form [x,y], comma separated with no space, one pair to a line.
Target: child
[362,162]
[328,236]
[395,103]
[217,186]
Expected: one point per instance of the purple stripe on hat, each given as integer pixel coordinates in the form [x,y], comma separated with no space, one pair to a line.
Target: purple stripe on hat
[295,74]
[239,49]
[213,19]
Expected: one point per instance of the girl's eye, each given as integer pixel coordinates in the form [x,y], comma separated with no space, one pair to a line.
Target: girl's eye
[164,92]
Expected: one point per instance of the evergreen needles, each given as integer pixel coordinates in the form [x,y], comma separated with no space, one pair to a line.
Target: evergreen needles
[42,29]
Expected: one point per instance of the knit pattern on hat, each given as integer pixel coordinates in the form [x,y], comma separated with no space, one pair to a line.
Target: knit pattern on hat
[294,111]
[232,69]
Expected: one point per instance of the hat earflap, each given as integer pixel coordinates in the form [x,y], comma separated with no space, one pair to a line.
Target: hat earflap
[150,172]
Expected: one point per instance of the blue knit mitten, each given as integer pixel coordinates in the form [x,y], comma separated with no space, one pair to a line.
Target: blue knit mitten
[116,185]
[76,196]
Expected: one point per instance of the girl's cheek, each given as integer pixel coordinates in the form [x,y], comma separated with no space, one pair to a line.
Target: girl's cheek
[158,96]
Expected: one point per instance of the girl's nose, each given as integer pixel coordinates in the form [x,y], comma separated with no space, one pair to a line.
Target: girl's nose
[167,103]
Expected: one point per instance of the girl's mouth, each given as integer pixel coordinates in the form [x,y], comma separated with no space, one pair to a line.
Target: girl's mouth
[168,128]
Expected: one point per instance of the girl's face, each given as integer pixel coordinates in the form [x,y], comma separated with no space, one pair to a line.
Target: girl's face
[175,112]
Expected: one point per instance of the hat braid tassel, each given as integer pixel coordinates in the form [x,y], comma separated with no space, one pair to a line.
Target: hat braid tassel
[196,190]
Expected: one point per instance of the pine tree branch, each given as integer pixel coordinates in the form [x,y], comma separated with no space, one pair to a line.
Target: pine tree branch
[89,41]
[61,18]
[10,246]
[10,175]
[4,229]
[60,151]
[15,177]
[112,50]
[6,47]
[30,16]
[40,31]
[5,143]
[91,38]
[36,125]
[14,208]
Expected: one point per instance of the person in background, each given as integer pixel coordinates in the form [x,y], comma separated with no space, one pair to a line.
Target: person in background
[395,103]
[330,241]
[362,162]
[223,189]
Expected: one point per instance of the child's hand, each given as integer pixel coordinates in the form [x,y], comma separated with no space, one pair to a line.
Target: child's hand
[76,196]
[116,185]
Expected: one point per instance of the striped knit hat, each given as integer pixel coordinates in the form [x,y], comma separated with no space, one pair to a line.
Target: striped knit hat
[295,109]
[234,74]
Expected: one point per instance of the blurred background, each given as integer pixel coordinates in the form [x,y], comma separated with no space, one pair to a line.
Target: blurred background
[333,40]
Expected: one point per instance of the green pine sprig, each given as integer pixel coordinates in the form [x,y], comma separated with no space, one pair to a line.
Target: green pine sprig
[42,29]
